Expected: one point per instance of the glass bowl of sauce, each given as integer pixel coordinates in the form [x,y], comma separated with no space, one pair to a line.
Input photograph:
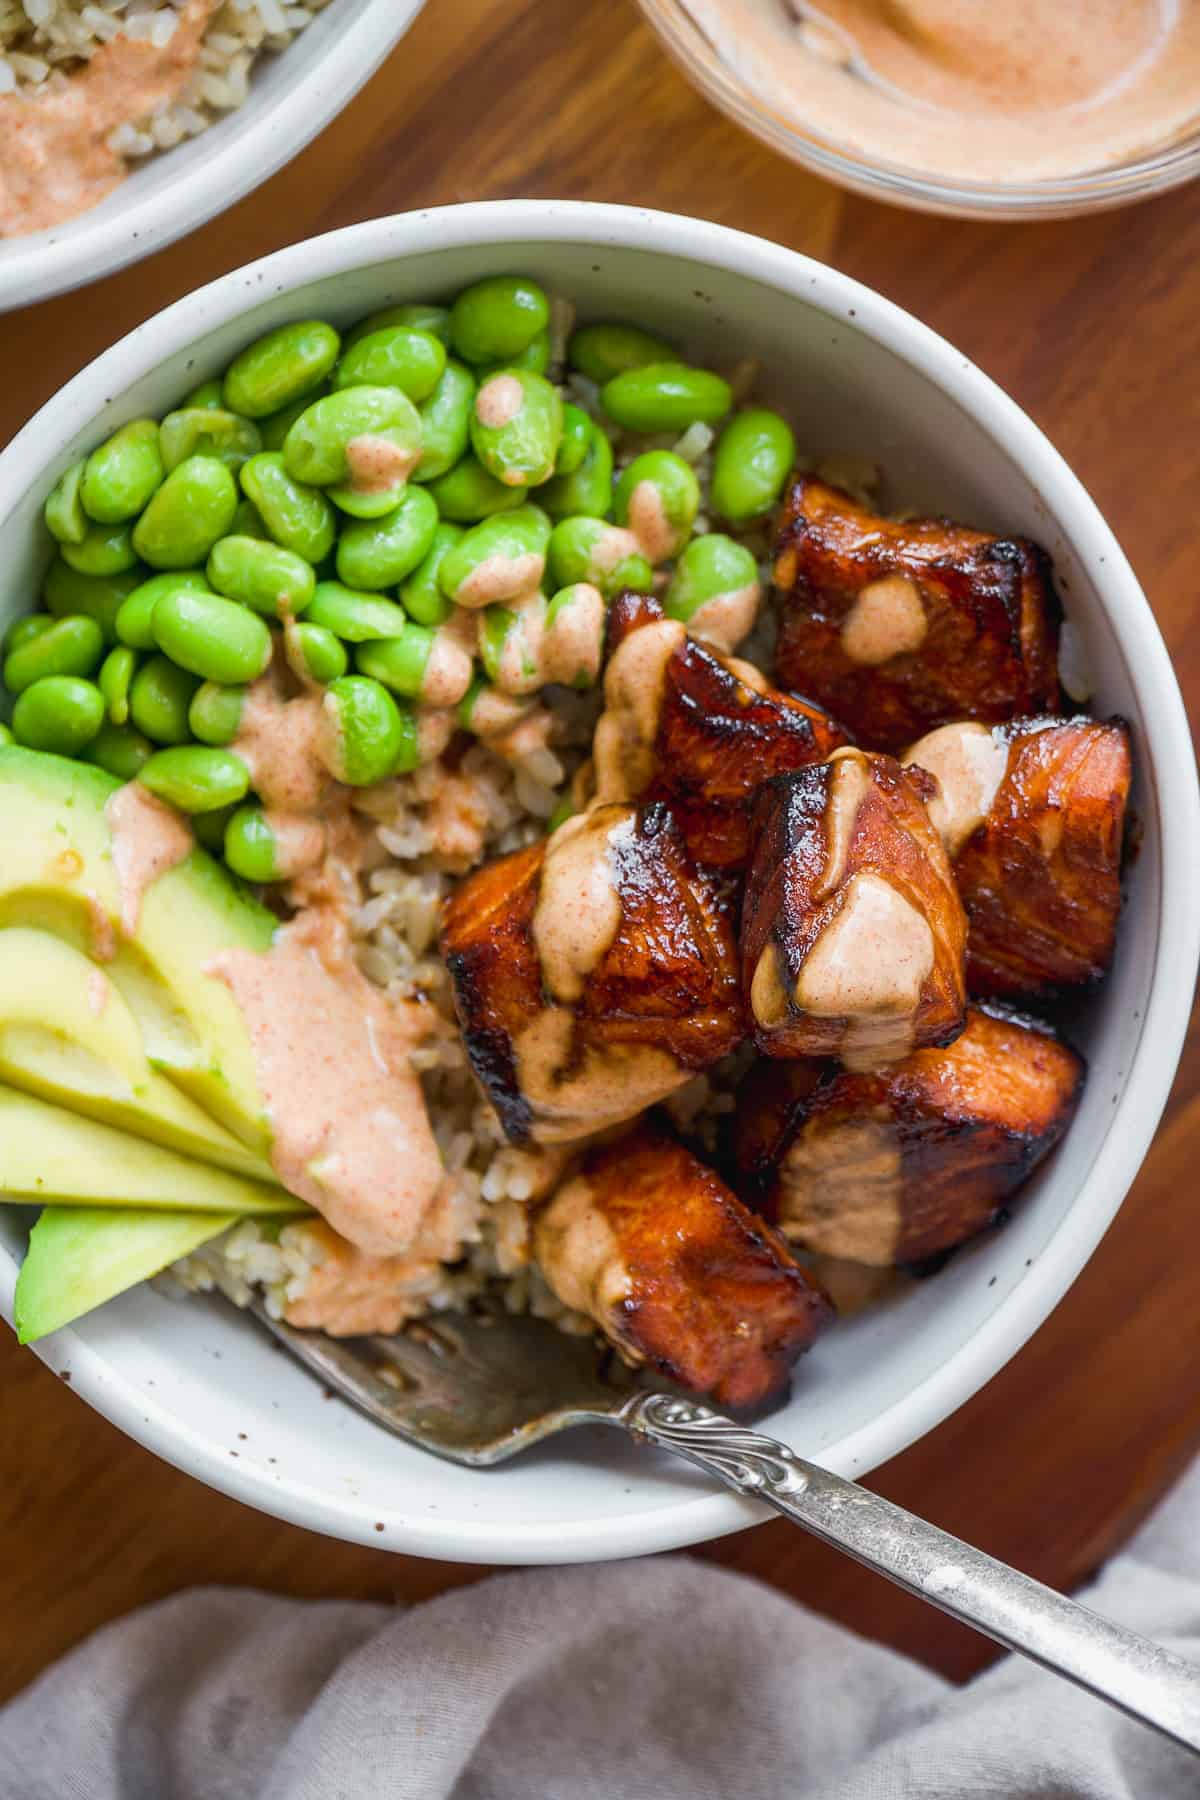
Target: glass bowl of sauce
[1036,108]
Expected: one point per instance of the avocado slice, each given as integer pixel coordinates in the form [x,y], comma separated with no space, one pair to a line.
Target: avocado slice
[52,1155]
[57,875]
[79,1257]
[67,1034]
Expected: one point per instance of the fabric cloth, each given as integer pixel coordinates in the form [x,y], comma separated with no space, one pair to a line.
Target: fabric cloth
[659,1680]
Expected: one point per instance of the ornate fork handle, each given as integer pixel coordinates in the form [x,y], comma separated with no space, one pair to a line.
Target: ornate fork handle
[1141,1678]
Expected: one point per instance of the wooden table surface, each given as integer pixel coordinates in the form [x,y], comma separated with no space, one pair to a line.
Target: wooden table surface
[1094,326]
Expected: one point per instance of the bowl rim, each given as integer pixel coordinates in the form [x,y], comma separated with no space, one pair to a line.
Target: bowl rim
[1172,772]
[99,242]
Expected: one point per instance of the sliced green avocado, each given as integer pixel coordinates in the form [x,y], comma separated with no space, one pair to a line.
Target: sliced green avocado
[67,1034]
[57,875]
[52,1155]
[79,1257]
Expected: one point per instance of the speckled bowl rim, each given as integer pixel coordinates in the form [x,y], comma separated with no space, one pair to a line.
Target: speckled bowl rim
[1172,773]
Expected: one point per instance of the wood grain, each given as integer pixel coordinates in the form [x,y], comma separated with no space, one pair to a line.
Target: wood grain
[1094,327]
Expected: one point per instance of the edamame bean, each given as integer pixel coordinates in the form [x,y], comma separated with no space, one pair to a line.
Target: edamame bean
[280,367]
[159,697]
[587,489]
[72,646]
[209,828]
[715,590]
[399,662]
[516,427]
[573,445]
[467,493]
[365,735]
[365,505]
[500,559]
[605,350]
[573,647]
[487,712]
[665,397]
[593,551]
[134,624]
[314,654]
[369,437]
[510,644]
[274,429]
[215,713]
[25,629]
[207,431]
[116,675]
[380,553]
[752,460]
[100,597]
[196,778]
[264,576]
[496,319]
[247,521]
[446,422]
[6,736]
[60,713]
[64,512]
[104,550]
[297,516]
[421,595]
[212,637]
[658,499]
[191,510]
[250,848]
[119,749]
[207,394]
[534,359]
[416,316]
[353,615]
[120,477]
[396,356]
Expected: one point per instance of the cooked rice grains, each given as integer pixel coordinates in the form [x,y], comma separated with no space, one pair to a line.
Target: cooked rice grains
[42,42]
[430,828]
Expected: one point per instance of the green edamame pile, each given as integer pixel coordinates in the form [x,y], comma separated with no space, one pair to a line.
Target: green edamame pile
[430,507]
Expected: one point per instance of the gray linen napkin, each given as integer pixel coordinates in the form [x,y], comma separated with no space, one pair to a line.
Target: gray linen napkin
[659,1680]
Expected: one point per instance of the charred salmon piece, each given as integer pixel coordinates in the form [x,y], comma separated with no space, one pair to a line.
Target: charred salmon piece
[1033,814]
[891,1167]
[696,730]
[896,628]
[593,973]
[677,1273]
[852,931]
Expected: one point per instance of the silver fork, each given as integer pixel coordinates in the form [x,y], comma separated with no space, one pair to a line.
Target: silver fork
[478,1389]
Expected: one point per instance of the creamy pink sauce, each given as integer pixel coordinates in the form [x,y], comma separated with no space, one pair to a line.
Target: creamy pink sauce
[98,992]
[579,910]
[499,401]
[724,620]
[377,465]
[350,1131]
[459,819]
[634,681]
[499,578]
[451,660]
[351,1293]
[54,156]
[280,741]
[579,1256]
[103,931]
[887,619]
[1025,91]
[648,521]
[574,644]
[148,838]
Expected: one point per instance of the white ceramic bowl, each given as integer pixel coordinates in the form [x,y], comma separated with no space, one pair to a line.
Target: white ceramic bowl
[188,1379]
[292,97]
